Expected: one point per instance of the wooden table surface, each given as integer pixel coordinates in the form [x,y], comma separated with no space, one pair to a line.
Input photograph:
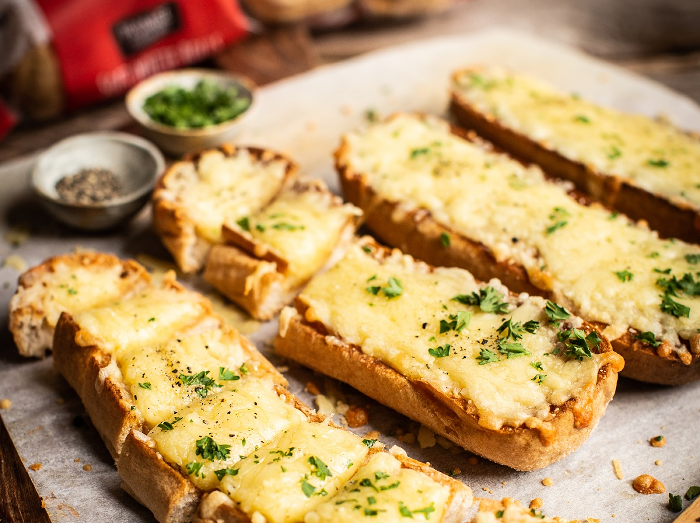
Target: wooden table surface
[656,38]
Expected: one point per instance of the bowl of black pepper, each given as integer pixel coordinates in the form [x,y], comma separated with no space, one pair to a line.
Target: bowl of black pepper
[96,181]
[191,109]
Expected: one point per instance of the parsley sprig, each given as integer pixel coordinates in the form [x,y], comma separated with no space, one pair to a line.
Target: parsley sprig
[556,313]
[203,383]
[211,450]
[457,322]
[577,344]
[392,289]
[488,300]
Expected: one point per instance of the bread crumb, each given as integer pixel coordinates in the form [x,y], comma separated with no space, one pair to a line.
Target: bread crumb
[77,460]
[536,503]
[5,404]
[357,416]
[426,437]
[617,468]
[473,460]
[485,489]
[455,471]
[658,462]
[646,484]
[547,482]
[35,466]
[16,262]
[446,443]
[283,369]
[504,483]
[409,438]
[87,467]
[372,435]
[312,388]
[657,441]
[325,406]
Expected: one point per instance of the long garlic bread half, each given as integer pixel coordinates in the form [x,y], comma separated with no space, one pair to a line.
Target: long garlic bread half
[270,254]
[201,425]
[513,378]
[196,196]
[451,200]
[644,168]
[70,283]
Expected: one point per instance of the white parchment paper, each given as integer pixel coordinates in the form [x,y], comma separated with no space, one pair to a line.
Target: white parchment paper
[304,116]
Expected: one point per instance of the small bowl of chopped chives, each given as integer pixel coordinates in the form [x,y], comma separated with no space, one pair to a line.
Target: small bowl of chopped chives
[96,181]
[191,109]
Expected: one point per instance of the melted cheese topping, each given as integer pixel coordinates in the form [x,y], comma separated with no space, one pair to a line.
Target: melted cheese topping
[154,374]
[303,227]
[580,252]
[285,479]
[246,418]
[400,331]
[150,317]
[383,491]
[73,289]
[655,155]
[221,188]
[511,512]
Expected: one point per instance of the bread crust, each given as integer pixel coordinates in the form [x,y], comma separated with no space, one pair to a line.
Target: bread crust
[670,219]
[172,220]
[417,233]
[31,329]
[453,417]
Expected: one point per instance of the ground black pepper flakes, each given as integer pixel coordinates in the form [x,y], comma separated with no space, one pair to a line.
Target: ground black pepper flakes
[89,186]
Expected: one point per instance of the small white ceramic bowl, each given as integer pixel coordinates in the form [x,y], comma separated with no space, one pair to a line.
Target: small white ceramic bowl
[181,141]
[135,161]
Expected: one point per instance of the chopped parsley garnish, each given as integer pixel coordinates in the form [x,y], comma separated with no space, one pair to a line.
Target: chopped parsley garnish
[675,503]
[555,313]
[614,153]
[369,443]
[372,512]
[511,350]
[151,319]
[366,482]
[389,487]
[692,259]
[583,119]
[404,511]
[486,356]
[371,500]
[371,115]
[227,375]
[440,352]
[392,289]
[537,365]
[194,467]
[72,291]
[319,468]
[260,227]
[203,383]
[284,226]
[367,249]
[225,472]
[146,385]
[209,449]
[515,330]
[536,513]
[307,488]
[380,475]
[653,254]
[649,338]
[692,493]
[557,225]
[674,308]
[624,276]
[445,239]
[539,378]
[243,369]
[417,152]
[244,223]
[457,322]
[166,425]
[499,513]
[658,162]
[577,344]
[488,300]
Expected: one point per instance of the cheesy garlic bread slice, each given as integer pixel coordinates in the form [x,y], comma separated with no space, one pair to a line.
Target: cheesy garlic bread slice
[644,168]
[196,196]
[516,379]
[270,254]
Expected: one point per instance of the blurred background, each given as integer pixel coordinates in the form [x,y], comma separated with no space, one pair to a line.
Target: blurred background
[66,64]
